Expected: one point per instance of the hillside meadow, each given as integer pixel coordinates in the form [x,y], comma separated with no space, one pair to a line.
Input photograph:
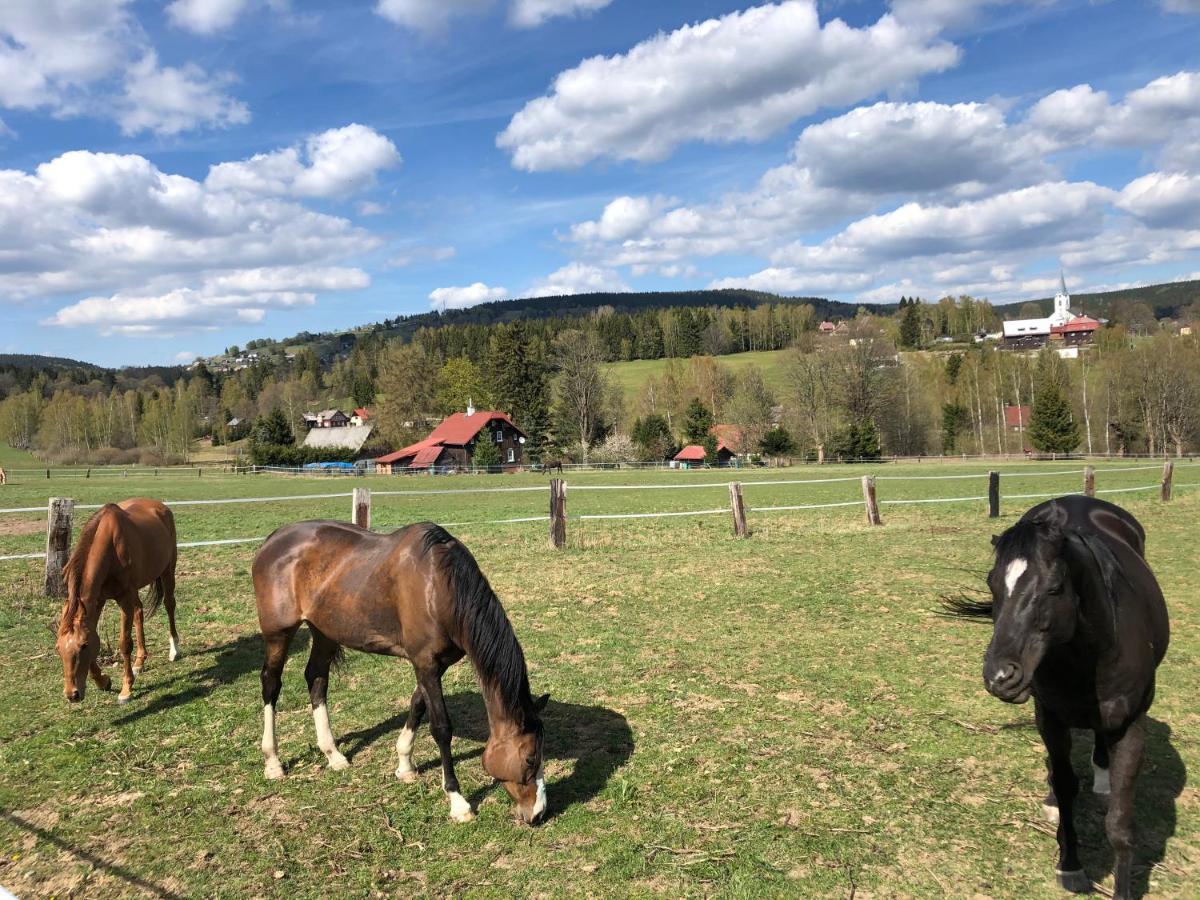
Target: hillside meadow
[783,715]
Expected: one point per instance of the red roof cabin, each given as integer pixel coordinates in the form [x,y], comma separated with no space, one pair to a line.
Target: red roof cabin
[692,456]
[452,444]
[1016,417]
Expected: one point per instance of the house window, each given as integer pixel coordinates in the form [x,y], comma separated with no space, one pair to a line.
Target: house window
[498,436]
[512,455]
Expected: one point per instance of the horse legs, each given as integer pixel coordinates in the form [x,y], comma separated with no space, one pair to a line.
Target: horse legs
[272,680]
[129,605]
[1065,785]
[1100,780]
[405,770]
[103,682]
[1118,823]
[139,661]
[430,680]
[316,673]
[168,580]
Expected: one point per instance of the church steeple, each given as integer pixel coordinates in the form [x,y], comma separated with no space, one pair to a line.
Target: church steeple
[1062,303]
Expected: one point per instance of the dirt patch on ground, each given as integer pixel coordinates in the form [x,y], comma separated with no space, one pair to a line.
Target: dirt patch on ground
[13,527]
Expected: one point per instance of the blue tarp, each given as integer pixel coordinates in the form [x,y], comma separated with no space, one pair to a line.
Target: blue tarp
[329,465]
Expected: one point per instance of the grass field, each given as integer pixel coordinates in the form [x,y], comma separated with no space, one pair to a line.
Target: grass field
[785,715]
[11,458]
[632,375]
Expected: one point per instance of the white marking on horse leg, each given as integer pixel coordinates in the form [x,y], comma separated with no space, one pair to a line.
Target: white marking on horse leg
[1100,782]
[174,654]
[1051,813]
[273,768]
[405,770]
[539,805]
[460,809]
[325,738]
[1012,574]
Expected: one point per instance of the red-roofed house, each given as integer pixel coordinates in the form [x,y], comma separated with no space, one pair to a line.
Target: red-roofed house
[693,455]
[361,416]
[453,442]
[1016,417]
[1078,331]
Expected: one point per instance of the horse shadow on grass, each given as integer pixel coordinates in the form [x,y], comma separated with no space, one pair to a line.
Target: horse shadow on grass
[157,689]
[1159,784]
[598,740]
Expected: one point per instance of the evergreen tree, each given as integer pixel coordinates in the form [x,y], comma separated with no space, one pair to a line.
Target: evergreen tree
[698,422]
[518,374]
[777,442]
[1052,427]
[652,435]
[910,327]
[485,455]
[955,419]
[273,429]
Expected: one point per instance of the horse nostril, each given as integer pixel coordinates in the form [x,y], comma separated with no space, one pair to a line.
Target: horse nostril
[73,695]
[1006,674]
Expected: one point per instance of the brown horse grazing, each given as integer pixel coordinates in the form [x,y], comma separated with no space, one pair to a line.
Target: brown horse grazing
[417,594]
[122,548]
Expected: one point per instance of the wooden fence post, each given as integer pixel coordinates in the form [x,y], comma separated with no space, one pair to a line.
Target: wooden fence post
[558,513]
[872,506]
[360,507]
[1089,481]
[59,520]
[993,495]
[738,505]
[1168,471]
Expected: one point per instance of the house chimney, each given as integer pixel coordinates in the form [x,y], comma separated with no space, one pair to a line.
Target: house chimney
[470,408]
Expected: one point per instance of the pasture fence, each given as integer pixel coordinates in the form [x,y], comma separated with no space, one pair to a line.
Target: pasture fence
[60,510]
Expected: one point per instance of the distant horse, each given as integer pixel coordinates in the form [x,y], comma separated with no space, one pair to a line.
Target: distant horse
[122,548]
[1081,624]
[553,465]
[417,594]
[3,477]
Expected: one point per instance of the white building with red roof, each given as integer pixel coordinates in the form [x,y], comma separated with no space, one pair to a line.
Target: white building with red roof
[1061,325]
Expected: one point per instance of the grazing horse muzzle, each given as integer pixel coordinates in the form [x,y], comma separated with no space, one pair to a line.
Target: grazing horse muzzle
[1006,681]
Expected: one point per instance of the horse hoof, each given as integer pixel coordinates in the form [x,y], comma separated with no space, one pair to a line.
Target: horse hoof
[338,762]
[106,685]
[462,817]
[273,771]
[409,777]
[174,655]
[1051,813]
[1076,882]
[137,670]
[124,698]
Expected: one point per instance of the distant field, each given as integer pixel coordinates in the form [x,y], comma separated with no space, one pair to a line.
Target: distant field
[632,375]
[780,716]
[11,458]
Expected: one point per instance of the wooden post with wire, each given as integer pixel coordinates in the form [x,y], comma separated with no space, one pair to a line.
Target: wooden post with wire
[558,513]
[738,505]
[1168,471]
[993,495]
[60,516]
[360,508]
[1089,481]
[871,504]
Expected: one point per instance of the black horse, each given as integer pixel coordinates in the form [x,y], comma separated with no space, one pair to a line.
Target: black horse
[1081,624]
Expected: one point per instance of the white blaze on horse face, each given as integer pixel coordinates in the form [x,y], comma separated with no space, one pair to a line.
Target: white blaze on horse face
[325,738]
[539,805]
[1100,780]
[273,768]
[1012,574]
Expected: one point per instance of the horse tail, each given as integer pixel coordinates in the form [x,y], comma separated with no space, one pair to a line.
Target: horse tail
[155,597]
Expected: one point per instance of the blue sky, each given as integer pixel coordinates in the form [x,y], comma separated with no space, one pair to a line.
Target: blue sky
[179,176]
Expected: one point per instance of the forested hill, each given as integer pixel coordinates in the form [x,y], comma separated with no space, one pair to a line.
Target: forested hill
[1164,300]
[39,363]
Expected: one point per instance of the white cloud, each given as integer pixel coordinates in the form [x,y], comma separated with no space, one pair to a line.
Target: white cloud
[1181,6]
[65,55]
[578,278]
[429,16]
[1163,200]
[370,208]
[169,100]
[793,281]
[741,77]
[186,356]
[622,217]
[157,253]
[421,253]
[206,16]
[462,297]
[333,163]
[531,13]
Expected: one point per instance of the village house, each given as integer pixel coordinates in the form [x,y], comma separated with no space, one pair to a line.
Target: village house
[692,456]
[328,418]
[1062,328]
[1016,418]
[360,417]
[452,443]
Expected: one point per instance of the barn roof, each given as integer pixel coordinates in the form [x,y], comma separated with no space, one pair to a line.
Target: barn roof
[691,453]
[460,429]
[1016,416]
[349,437]
[1077,324]
[426,456]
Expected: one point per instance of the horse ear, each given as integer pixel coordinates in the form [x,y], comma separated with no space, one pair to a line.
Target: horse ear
[540,703]
[995,540]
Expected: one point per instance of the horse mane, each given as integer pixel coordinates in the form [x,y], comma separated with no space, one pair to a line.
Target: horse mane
[73,570]
[487,633]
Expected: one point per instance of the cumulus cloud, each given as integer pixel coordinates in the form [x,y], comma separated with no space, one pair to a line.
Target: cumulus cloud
[794,281]
[1181,6]
[1163,200]
[206,16]
[462,297]
[152,252]
[740,77]
[578,278]
[330,164]
[63,55]
[429,16]
[531,13]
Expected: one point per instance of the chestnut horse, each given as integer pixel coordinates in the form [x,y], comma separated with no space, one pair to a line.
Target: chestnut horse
[122,548]
[417,594]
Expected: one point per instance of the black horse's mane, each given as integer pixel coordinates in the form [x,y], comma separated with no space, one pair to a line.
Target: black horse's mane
[488,634]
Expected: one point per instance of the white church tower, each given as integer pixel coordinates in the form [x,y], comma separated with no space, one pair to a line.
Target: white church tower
[1062,303]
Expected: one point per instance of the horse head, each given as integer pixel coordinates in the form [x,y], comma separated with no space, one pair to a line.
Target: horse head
[515,759]
[1035,605]
[78,646]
